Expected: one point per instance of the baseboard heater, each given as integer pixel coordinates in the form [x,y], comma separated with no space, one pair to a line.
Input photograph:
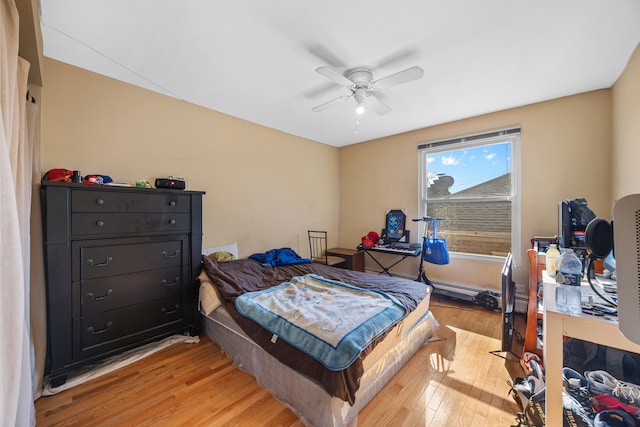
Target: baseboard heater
[488,299]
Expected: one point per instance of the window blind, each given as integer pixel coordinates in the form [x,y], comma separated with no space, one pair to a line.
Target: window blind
[468,138]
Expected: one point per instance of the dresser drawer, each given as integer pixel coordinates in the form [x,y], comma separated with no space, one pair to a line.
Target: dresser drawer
[108,293]
[102,332]
[98,224]
[102,258]
[108,201]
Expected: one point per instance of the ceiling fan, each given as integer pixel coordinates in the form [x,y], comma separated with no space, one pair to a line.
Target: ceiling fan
[363,87]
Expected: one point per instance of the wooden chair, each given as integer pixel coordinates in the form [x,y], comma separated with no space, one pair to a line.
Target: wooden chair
[534,307]
[318,249]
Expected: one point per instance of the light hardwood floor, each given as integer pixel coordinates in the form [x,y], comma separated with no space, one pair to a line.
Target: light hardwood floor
[454,380]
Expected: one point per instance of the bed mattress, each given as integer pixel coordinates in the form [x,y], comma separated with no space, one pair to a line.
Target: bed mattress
[306,397]
[317,395]
[210,301]
[235,278]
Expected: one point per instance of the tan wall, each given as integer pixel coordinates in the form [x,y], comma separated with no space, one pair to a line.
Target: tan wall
[565,152]
[263,192]
[625,175]
[265,188]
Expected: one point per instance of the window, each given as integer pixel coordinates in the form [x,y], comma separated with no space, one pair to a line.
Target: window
[472,184]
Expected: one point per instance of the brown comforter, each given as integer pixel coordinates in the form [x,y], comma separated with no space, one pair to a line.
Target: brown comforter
[237,277]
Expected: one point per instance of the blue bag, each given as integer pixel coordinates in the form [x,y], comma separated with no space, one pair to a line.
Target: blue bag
[436,251]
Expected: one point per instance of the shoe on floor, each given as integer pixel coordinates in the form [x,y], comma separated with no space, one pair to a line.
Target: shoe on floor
[534,412]
[536,370]
[602,402]
[602,382]
[614,418]
[578,387]
[526,358]
[573,380]
[524,388]
[575,413]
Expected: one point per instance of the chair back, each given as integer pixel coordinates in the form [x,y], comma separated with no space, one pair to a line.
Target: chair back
[534,313]
[318,249]
[318,246]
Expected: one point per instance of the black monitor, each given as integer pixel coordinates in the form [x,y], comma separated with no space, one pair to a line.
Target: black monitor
[565,231]
[508,302]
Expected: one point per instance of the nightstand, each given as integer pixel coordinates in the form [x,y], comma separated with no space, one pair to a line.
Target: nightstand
[354,258]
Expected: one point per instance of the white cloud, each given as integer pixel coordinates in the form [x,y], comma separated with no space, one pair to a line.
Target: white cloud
[450,160]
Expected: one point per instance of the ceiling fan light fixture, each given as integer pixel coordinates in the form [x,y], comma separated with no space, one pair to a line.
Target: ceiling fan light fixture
[362,85]
[360,96]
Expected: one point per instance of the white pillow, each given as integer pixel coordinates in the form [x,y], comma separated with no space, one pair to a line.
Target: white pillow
[209,299]
[232,248]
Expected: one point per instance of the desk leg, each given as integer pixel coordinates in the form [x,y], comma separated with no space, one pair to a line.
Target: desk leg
[553,363]
[384,269]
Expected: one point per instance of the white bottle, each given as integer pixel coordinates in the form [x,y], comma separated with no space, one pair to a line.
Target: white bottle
[568,277]
[551,258]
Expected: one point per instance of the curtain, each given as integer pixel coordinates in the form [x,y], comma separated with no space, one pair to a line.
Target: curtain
[16,176]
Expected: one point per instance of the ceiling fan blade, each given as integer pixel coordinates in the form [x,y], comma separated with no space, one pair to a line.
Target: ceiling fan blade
[332,74]
[326,56]
[377,105]
[395,58]
[413,73]
[331,103]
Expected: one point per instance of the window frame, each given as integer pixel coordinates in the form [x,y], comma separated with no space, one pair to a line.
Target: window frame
[511,135]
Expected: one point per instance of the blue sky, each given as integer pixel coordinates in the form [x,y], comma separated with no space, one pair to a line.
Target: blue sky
[471,166]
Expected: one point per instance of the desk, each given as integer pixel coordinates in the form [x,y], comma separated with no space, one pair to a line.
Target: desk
[385,250]
[354,258]
[583,326]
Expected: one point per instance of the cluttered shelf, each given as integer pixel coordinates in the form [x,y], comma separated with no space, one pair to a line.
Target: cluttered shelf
[600,329]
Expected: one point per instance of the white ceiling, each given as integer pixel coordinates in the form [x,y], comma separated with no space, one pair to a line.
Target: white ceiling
[256,59]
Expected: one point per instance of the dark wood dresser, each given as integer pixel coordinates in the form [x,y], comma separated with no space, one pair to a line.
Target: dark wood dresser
[121,265]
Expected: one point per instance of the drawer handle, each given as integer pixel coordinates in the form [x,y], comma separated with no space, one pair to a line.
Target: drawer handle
[107,261]
[172,221]
[165,283]
[172,203]
[99,202]
[94,331]
[100,223]
[167,312]
[95,298]
[164,254]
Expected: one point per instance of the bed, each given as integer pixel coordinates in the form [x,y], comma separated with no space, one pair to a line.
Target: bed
[317,395]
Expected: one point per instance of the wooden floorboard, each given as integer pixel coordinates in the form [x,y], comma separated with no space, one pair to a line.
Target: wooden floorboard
[454,380]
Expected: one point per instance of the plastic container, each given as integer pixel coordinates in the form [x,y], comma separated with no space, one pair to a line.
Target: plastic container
[568,277]
[553,254]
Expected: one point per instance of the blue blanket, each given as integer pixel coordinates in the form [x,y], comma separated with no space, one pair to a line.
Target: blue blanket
[278,257]
[329,320]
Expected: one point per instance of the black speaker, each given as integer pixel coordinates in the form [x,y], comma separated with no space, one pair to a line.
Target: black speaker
[174,183]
